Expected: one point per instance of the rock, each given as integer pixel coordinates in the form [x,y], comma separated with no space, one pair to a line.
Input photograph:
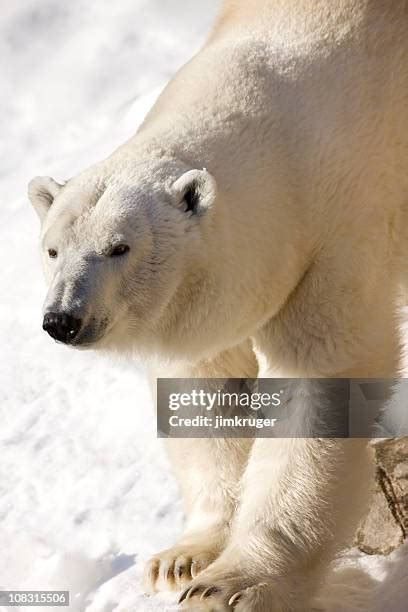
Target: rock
[386,525]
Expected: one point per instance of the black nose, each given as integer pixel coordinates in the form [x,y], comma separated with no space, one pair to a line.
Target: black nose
[61,326]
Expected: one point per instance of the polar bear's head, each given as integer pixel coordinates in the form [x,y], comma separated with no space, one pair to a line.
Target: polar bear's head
[121,250]
[162,257]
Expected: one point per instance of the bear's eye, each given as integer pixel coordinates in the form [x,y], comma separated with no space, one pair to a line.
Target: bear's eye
[118,250]
[53,253]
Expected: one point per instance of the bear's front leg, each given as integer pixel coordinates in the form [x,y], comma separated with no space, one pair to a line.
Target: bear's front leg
[302,501]
[210,475]
[210,471]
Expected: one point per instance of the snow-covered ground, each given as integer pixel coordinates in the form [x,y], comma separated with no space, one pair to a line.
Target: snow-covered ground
[86,494]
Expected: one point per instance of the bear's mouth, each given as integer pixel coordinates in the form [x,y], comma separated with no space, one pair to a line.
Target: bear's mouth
[91,333]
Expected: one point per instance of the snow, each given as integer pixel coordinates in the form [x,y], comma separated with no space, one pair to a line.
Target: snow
[86,493]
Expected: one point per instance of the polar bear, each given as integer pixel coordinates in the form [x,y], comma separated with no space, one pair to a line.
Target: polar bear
[253,226]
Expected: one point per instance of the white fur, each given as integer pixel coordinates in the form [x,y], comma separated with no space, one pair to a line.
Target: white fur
[291,123]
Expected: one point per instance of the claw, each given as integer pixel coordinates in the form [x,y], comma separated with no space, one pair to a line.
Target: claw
[167,570]
[193,591]
[151,574]
[188,592]
[154,569]
[183,595]
[208,592]
[179,570]
[235,598]
[195,569]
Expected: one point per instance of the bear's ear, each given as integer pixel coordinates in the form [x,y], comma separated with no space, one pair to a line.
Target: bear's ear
[42,190]
[195,191]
